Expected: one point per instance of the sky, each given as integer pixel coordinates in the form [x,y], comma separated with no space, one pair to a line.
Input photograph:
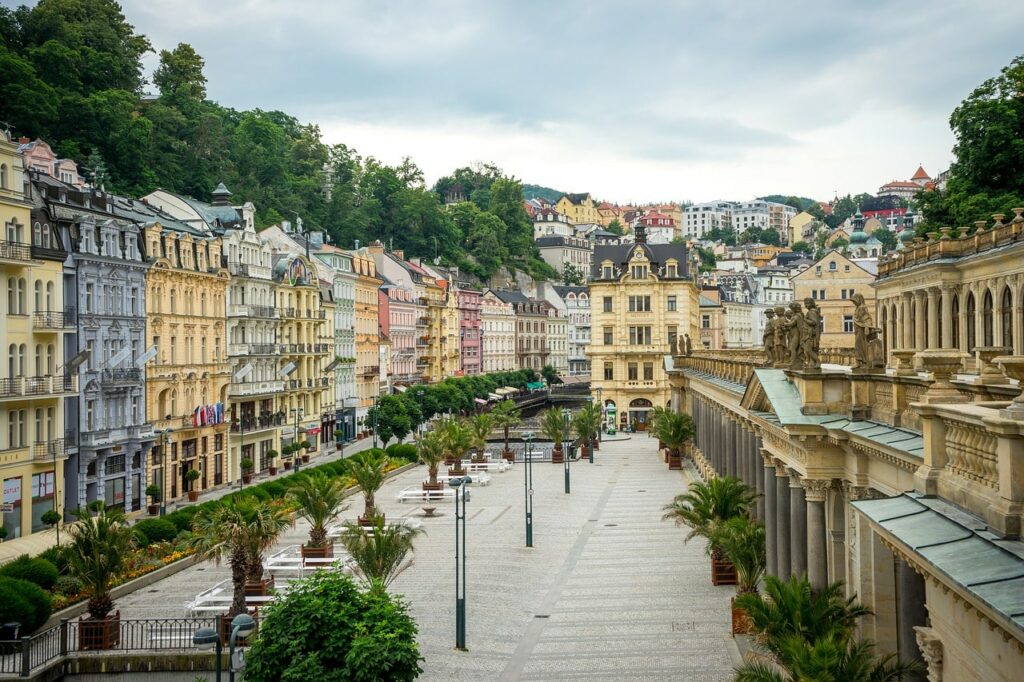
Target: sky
[631,101]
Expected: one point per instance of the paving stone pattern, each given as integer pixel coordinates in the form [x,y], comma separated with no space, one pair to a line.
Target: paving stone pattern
[608,591]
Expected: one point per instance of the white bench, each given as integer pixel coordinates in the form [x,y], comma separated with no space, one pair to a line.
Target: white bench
[421,495]
[218,599]
[499,465]
[477,478]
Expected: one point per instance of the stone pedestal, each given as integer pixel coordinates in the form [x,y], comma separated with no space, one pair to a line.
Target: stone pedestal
[1013,367]
[943,363]
[990,373]
[904,358]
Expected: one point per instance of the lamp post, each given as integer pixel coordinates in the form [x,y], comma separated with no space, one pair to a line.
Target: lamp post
[600,404]
[461,498]
[565,446]
[205,639]
[298,415]
[528,484]
[375,421]
[163,470]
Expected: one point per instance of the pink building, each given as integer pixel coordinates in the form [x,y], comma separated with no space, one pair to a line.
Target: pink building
[41,158]
[469,330]
[398,322]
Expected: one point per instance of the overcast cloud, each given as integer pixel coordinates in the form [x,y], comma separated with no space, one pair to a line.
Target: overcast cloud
[631,101]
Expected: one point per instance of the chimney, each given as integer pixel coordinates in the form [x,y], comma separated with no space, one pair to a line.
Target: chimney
[375,247]
[23,140]
[399,254]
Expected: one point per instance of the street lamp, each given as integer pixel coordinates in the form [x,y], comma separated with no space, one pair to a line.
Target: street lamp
[565,448]
[298,415]
[461,498]
[207,638]
[163,470]
[528,484]
[375,421]
[600,404]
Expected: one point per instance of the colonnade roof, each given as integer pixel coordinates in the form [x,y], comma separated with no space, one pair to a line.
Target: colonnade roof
[958,548]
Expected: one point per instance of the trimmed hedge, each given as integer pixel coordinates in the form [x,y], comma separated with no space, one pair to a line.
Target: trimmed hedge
[156,530]
[37,571]
[23,602]
[403,451]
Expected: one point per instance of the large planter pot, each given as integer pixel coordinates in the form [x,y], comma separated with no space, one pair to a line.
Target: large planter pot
[508,456]
[153,509]
[448,461]
[96,634]
[259,588]
[305,459]
[433,486]
[325,552]
[722,572]
[457,472]
[597,445]
[741,624]
[557,456]
[287,464]
[193,495]
[367,522]
[339,446]
[675,460]
[359,436]
[247,478]
[273,471]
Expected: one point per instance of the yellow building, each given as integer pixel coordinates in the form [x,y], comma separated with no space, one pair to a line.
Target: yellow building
[449,331]
[34,382]
[304,350]
[831,283]
[187,382]
[642,301]
[368,370]
[578,208]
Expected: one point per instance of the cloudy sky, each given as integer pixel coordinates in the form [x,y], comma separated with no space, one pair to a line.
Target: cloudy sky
[632,101]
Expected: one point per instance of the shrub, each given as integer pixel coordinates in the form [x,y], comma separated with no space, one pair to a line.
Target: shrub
[275,488]
[156,530]
[182,519]
[56,557]
[68,585]
[37,571]
[260,494]
[25,603]
[403,451]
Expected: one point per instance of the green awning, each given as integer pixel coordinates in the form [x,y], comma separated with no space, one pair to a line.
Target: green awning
[535,385]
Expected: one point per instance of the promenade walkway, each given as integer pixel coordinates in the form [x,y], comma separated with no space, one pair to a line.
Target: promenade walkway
[609,591]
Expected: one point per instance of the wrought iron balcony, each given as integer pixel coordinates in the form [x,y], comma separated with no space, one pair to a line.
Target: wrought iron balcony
[55,319]
[251,422]
[19,387]
[48,451]
[111,377]
[15,251]
[254,388]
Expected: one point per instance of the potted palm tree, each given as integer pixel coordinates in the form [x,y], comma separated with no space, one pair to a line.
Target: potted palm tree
[379,556]
[742,541]
[479,427]
[246,465]
[703,507]
[430,451]
[319,499]
[272,461]
[552,425]
[586,423]
[95,554]
[240,529]
[506,416]
[191,476]
[153,492]
[368,471]
[457,441]
[674,431]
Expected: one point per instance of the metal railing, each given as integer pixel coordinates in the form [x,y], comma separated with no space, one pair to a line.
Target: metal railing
[37,386]
[121,376]
[78,638]
[45,451]
[54,319]
[15,251]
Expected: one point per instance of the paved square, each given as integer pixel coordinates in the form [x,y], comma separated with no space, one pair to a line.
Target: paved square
[608,591]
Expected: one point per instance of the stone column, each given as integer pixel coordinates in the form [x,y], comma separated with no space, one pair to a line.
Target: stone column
[758,474]
[728,452]
[782,519]
[905,320]
[933,317]
[770,506]
[910,610]
[919,331]
[733,452]
[947,340]
[797,526]
[817,548]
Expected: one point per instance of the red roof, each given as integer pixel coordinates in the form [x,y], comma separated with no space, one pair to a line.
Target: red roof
[920,174]
[897,183]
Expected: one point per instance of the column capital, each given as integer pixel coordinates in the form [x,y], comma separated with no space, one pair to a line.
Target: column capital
[854,492]
[766,457]
[795,482]
[816,489]
[781,470]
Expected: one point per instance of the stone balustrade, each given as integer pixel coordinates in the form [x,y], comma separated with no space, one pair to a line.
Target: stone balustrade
[733,364]
[942,245]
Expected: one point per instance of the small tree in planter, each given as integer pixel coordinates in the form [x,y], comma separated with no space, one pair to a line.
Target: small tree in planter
[456,441]
[305,447]
[479,427]
[674,431]
[191,476]
[703,507]
[287,451]
[368,471]
[319,500]
[246,465]
[379,556]
[3,533]
[430,451]
[742,541]
[339,438]
[95,554]
[505,416]
[272,462]
[153,492]
[552,425]
[586,423]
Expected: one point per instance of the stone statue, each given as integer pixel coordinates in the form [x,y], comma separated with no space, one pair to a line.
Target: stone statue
[674,346]
[768,339]
[810,335]
[780,337]
[689,344]
[791,325]
[867,344]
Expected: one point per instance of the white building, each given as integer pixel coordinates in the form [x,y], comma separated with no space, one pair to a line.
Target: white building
[558,340]
[575,301]
[698,219]
[550,223]
[773,286]
[498,322]
[762,215]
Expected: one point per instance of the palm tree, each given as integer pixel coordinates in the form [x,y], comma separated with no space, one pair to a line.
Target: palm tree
[830,658]
[479,427]
[431,452]
[552,425]
[368,471]
[586,423]
[96,552]
[505,416]
[320,500]
[240,528]
[380,551]
[674,430]
[654,422]
[457,441]
[742,541]
[705,505]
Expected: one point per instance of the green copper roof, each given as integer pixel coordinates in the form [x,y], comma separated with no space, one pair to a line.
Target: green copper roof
[958,547]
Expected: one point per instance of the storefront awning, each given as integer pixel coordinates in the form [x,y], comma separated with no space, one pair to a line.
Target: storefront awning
[535,385]
[478,401]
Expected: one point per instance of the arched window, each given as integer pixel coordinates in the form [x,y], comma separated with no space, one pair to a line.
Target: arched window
[174,300]
[39,360]
[971,322]
[12,361]
[938,320]
[986,319]
[174,402]
[911,327]
[884,323]
[12,296]
[1006,316]
[50,368]
[926,326]
[22,286]
[202,304]
[3,176]
[49,295]
[22,351]
[37,290]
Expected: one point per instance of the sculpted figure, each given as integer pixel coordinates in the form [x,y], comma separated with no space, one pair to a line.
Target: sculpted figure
[867,346]
[768,339]
[810,335]
[794,331]
[689,344]
[780,346]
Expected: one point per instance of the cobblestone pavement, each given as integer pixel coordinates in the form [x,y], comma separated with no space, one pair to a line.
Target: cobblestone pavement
[608,591]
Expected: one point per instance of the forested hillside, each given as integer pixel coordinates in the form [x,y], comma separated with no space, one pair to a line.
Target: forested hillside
[71,74]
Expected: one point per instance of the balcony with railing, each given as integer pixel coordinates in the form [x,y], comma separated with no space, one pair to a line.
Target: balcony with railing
[24,387]
[120,377]
[735,366]
[252,422]
[241,349]
[239,269]
[49,450]
[287,312]
[15,252]
[55,319]
[372,370]
[104,437]
[254,388]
